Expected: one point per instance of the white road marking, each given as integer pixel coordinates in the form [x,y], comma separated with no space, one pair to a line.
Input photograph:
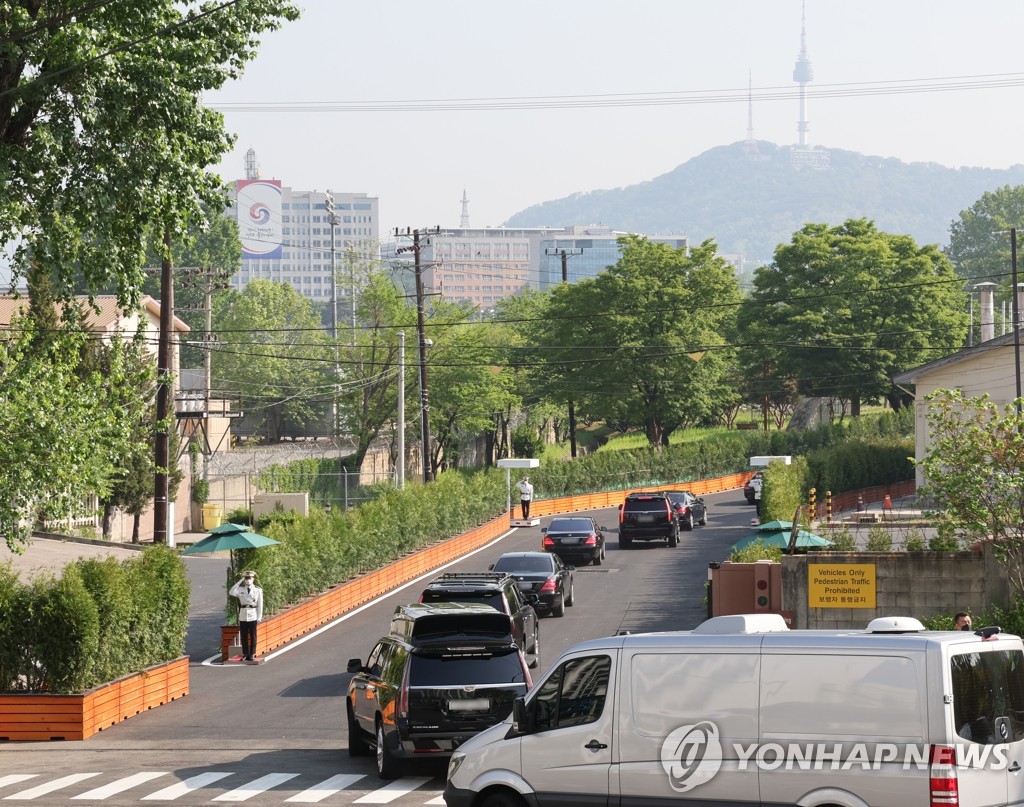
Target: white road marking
[439,800]
[393,790]
[255,787]
[326,788]
[49,787]
[120,785]
[186,787]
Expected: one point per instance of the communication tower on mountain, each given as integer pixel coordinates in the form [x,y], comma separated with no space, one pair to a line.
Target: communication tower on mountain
[802,155]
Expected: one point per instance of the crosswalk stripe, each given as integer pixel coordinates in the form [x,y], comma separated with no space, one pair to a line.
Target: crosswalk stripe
[393,790]
[49,787]
[255,787]
[14,778]
[186,787]
[438,800]
[326,788]
[121,785]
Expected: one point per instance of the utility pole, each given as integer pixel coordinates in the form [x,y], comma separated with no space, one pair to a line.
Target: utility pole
[416,249]
[332,219]
[1015,310]
[572,406]
[163,397]
[400,448]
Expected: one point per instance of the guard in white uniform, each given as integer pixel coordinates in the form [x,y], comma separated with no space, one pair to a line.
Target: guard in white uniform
[525,495]
[250,612]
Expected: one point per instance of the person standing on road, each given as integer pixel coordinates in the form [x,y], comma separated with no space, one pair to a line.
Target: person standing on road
[250,612]
[757,483]
[525,495]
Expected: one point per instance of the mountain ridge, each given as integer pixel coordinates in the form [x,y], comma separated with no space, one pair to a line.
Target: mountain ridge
[749,203]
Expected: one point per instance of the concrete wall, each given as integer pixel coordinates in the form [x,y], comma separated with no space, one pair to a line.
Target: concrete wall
[917,584]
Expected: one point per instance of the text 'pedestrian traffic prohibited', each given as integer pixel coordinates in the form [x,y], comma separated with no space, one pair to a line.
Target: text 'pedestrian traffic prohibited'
[846,585]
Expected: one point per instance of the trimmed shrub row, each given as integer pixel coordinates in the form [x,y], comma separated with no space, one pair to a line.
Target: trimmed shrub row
[101,620]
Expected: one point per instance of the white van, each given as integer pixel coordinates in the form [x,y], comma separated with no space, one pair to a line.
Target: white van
[743,711]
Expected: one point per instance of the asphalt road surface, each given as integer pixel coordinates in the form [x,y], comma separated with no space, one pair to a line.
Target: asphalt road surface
[274,733]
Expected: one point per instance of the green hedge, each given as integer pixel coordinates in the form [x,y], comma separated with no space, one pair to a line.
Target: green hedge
[101,620]
[323,549]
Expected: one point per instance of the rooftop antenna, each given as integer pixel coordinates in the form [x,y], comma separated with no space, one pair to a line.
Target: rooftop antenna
[252,167]
[803,74]
[464,220]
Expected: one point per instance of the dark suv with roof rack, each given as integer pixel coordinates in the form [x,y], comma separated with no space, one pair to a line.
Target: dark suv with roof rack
[647,517]
[444,673]
[498,590]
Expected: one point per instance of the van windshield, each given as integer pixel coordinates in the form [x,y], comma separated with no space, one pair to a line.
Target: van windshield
[988,696]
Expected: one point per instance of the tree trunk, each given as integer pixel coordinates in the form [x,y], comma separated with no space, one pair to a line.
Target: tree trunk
[135,527]
[653,430]
[108,518]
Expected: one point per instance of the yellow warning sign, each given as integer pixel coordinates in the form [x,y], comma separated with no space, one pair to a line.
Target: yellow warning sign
[841,585]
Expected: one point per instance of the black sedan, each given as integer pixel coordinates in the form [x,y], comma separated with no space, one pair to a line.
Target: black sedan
[545,580]
[577,539]
[689,509]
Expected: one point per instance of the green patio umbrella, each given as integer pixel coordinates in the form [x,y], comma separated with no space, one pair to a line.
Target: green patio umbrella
[776,533]
[228,538]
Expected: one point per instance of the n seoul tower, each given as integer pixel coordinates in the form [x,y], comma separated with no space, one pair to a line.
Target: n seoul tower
[803,74]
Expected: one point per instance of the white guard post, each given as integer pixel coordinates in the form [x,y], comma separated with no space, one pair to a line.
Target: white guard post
[508,465]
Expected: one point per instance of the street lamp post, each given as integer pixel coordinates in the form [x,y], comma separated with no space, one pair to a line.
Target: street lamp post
[332,219]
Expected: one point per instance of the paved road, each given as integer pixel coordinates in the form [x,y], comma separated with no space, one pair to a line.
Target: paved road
[274,733]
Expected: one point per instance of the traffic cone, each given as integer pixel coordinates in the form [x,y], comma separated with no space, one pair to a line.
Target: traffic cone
[887,504]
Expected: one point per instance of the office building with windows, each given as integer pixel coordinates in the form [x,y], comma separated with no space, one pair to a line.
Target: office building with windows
[286,234]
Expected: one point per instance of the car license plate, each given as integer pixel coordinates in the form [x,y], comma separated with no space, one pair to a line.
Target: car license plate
[569,541]
[469,705]
[645,518]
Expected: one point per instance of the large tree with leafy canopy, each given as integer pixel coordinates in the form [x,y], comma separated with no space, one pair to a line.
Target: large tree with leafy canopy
[979,244]
[644,343]
[843,309]
[103,134]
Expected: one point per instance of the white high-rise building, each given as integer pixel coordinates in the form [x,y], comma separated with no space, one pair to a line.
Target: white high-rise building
[286,234]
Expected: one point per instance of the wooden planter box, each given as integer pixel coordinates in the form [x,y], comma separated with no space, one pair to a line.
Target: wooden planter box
[36,716]
[297,620]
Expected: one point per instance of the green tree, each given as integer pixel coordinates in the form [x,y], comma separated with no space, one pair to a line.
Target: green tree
[973,470]
[467,390]
[273,356]
[978,254]
[644,343]
[843,309]
[103,134]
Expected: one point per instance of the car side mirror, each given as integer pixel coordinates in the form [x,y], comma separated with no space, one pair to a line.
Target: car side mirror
[570,568]
[700,499]
[355,665]
[532,599]
[522,721]
[543,530]
[490,568]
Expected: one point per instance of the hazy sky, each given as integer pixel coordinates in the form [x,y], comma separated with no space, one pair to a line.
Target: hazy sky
[599,94]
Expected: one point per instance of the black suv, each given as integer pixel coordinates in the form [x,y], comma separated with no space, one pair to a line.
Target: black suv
[498,590]
[647,517]
[443,673]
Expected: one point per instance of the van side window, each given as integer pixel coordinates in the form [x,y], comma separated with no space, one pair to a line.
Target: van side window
[574,694]
[988,696]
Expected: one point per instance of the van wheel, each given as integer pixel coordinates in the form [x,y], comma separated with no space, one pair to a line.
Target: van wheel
[357,746]
[559,607]
[387,766]
[502,799]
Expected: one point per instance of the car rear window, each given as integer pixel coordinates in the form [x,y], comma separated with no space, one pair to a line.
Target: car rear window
[455,668]
[491,598]
[531,564]
[988,694]
[645,505]
[570,525]
[486,623]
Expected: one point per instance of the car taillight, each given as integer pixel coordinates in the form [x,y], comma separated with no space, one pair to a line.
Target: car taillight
[549,586]
[547,542]
[591,540]
[622,514]
[403,694]
[942,783]
[669,510]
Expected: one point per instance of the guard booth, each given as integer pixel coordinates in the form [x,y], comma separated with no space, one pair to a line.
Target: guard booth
[746,588]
